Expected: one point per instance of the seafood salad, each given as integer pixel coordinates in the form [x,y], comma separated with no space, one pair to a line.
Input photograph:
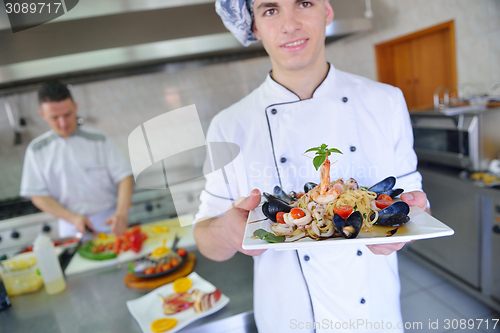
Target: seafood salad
[332,208]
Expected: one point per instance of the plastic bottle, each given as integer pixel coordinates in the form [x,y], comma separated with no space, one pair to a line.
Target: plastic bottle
[4,298]
[49,265]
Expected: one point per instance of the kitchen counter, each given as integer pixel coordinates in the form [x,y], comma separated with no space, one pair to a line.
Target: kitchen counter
[95,301]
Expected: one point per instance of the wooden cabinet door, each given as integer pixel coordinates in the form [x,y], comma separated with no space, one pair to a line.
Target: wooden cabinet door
[419,63]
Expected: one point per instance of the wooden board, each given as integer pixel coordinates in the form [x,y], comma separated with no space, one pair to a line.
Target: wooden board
[135,282]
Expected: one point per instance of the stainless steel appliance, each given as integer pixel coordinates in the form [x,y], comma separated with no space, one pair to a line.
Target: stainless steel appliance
[467,140]
[471,257]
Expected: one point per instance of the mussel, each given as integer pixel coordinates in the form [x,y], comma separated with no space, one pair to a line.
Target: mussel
[386,186]
[279,193]
[273,206]
[394,215]
[350,227]
[309,186]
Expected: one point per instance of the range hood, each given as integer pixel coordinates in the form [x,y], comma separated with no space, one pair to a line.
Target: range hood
[97,35]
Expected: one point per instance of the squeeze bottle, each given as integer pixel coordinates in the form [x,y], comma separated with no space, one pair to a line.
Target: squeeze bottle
[49,265]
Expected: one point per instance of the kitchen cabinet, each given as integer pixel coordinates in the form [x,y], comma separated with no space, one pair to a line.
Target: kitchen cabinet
[495,246]
[453,203]
[419,63]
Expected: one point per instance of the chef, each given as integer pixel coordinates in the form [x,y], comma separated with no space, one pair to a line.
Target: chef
[74,173]
[304,102]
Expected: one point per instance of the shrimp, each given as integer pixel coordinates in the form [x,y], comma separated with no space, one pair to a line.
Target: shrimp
[325,192]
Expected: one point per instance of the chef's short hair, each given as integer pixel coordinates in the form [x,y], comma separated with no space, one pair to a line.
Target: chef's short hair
[53,91]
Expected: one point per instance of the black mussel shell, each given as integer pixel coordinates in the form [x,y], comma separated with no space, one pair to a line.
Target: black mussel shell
[279,193]
[355,220]
[394,220]
[309,186]
[273,206]
[397,207]
[384,185]
[394,215]
[392,193]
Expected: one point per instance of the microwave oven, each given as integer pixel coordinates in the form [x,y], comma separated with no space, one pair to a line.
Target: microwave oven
[467,141]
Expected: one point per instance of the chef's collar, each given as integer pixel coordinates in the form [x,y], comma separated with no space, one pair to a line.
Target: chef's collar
[281,94]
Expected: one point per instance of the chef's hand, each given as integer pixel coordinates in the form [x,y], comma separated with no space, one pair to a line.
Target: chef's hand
[235,221]
[118,223]
[80,221]
[220,238]
[414,198]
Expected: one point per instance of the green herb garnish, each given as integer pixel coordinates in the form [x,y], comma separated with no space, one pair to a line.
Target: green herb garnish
[322,153]
[364,216]
[355,208]
[268,236]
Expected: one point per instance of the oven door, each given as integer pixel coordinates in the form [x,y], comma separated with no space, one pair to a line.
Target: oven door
[447,140]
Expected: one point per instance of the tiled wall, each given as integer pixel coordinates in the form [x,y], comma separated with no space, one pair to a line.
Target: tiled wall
[117,106]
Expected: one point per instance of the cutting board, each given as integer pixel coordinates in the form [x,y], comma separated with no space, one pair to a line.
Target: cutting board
[135,282]
[78,264]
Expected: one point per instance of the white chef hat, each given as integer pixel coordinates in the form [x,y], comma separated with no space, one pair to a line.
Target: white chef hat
[237,16]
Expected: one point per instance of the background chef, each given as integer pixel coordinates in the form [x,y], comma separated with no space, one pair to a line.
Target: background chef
[303,103]
[74,173]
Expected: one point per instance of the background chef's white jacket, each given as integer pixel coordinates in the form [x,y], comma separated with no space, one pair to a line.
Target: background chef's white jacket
[369,122]
[81,172]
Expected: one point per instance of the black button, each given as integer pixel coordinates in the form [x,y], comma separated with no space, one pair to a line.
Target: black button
[46,228]
[353,149]
[363,301]
[274,111]
[283,160]
[345,99]
[360,253]
[0,238]
[15,234]
[306,258]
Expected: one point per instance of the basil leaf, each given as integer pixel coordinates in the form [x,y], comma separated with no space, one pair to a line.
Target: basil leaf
[260,233]
[268,236]
[355,208]
[312,149]
[272,238]
[334,150]
[318,160]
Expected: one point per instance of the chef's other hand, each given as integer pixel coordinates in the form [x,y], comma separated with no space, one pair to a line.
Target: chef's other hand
[118,224]
[385,249]
[415,198]
[80,221]
[235,221]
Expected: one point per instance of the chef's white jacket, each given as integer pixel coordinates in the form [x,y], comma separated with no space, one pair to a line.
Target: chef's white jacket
[81,172]
[343,288]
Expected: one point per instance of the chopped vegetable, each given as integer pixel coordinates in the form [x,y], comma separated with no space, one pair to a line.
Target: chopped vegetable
[297,213]
[181,252]
[383,203]
[343,211]
[384,197]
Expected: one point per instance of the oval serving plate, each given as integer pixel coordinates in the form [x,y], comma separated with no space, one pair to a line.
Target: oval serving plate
[168,271]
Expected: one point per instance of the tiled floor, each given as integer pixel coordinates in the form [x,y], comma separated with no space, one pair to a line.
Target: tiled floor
[427,298]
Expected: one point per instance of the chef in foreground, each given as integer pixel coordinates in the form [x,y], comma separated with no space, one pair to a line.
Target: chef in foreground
[73,173]
[304,102]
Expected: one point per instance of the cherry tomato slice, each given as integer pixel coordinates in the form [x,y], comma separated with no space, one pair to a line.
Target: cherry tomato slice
[280,218]
[383,203]
[343,211]
[384,197]
[297,213]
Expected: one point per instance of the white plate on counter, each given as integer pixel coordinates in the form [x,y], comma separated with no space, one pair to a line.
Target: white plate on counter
[148,308]
[421,226]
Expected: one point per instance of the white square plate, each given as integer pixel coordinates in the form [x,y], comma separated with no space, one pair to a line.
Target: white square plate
[421,226]
[148,308]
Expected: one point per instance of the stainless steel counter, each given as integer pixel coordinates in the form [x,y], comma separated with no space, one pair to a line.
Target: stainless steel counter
[95,302]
